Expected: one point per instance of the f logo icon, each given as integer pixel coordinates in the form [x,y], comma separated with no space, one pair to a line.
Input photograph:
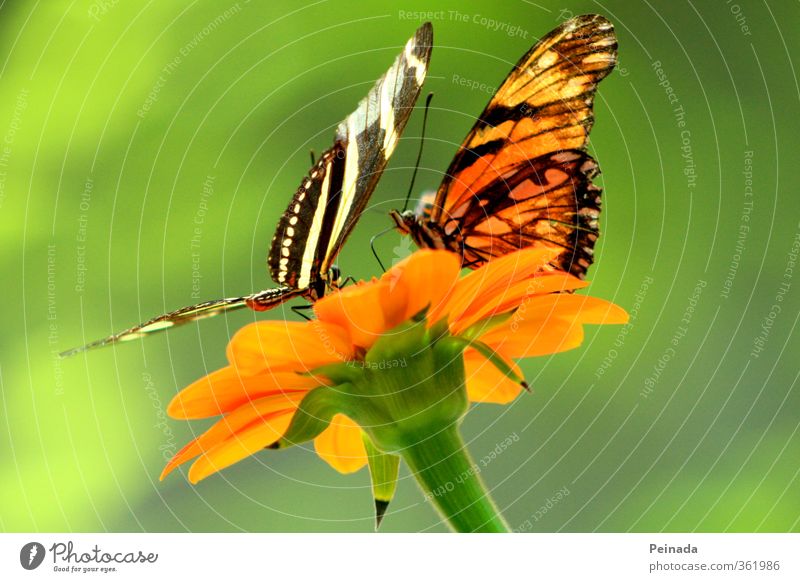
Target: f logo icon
[31,555]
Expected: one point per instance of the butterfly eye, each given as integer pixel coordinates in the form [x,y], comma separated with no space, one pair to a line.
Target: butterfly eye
[335,274]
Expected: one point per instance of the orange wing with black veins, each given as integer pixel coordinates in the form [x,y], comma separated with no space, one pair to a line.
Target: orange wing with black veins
[510,179]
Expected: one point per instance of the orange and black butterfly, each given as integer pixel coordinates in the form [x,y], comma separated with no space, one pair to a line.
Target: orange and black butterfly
[522,177]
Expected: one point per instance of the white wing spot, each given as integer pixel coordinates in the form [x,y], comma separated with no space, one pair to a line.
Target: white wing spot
[387,119]
[415,62]
[156,326]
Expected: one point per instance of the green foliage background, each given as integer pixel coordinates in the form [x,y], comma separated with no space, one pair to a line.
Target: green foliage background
[114,114]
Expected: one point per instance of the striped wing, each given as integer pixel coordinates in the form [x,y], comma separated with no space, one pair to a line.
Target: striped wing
[258,301]
[330,200]
[523,166]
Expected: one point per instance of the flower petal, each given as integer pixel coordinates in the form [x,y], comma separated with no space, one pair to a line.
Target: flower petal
[423,279]
[357,309]
[584,308]
[492,279]
[341,445]
[288,346]
[268,412]
[551,324]
[395,302]
[246,442]
[227,389]
[535,336]
[485,383]
[516,295]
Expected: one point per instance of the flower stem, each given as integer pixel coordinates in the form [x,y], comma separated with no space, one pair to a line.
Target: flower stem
[449,478]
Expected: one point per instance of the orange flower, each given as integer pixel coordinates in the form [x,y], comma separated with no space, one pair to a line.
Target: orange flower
[512,304]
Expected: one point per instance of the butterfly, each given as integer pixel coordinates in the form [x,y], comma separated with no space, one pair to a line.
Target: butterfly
[329,201]
[522,176]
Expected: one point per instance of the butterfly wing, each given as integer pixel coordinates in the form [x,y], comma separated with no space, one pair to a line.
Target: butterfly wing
[510,170]
[258,301]
[325,208]
[330,200]
[550,201]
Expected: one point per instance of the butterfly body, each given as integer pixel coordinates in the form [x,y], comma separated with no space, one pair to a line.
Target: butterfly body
[522,177]
[424,232]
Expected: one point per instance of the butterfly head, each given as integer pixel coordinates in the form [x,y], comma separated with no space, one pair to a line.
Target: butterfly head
[404,221]
[335,275]
[407,220]
[334,278]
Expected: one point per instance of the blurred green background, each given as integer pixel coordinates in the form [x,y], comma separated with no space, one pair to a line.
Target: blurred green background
[125,125]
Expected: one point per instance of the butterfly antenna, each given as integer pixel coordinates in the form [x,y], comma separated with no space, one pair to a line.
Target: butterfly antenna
[419,154]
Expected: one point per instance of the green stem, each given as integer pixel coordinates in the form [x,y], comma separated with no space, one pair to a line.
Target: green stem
[449,478]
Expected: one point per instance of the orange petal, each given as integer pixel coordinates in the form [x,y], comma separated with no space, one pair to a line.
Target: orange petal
[494,278]
[424,279]
[246,442]
[534,336]
[516,296]
[394,301]
[268,412]
[551,324]
[288,346]
[341,445]
[357,309]
[485,383]
[227,389]
[582,307]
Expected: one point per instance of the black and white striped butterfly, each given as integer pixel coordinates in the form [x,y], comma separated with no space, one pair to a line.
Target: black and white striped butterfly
[330,199]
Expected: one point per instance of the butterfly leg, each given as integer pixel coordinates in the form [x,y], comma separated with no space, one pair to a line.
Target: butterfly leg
[299,309]
[472,264]
[313,157]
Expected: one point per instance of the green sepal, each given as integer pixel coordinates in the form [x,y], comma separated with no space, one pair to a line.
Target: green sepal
[383,471]
[339,374]
[439,330]
[313,415]
[406,339]
[477,329]
[492,356]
